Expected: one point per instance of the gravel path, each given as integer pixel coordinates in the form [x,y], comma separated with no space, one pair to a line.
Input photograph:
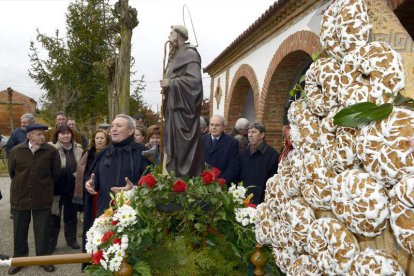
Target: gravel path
[6,240]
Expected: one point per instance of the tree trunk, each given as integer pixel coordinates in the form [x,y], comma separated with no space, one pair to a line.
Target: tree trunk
[128,21]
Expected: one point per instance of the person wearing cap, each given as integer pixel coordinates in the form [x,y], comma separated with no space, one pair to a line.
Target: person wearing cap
[258,162]
[183,91]
[34,166]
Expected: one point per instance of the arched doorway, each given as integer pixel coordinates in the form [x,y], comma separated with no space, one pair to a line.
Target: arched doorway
[243,96]
[289,62]
[284,78]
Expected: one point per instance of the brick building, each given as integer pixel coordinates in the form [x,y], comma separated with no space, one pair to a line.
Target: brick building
[21,104]
[252,77]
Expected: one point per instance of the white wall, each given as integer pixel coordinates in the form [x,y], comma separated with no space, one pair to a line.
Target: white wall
[261,56]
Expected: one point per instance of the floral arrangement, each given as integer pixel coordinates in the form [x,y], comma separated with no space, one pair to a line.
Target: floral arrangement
[166,220]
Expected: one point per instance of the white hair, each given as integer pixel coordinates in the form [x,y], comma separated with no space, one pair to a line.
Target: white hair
[242,123]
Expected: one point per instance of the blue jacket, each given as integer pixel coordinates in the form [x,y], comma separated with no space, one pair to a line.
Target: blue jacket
[17,137]
[224,156]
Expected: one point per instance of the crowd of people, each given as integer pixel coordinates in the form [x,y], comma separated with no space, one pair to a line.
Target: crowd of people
[57,172]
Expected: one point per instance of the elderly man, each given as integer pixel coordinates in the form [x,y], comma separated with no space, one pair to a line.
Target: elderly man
[221,150]
[241,127]
[183,90]
[19,135]
[258,162]
[119,164]
[34,166]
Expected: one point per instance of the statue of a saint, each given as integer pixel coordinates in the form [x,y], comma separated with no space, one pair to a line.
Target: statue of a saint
[183,90]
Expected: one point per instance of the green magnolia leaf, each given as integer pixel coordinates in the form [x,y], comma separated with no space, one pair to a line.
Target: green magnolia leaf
[315,56]
[361,114]
[400,99]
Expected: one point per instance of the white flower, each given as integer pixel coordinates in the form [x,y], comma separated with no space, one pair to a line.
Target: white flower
[126,216]
[238,193]
[245,216]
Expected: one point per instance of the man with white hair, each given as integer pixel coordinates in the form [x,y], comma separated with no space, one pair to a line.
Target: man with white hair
[183,90]
[241,127]
[18,136]
[221,150]
[118,164]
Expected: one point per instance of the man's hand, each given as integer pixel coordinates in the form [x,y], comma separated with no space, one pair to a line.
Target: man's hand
[164,83]
[90,185]
[127,187]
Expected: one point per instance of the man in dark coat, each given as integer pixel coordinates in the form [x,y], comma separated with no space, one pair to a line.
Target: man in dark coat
[118,164]
[19,135]
[258,162]
[183,90]
[221,150]
[34,166]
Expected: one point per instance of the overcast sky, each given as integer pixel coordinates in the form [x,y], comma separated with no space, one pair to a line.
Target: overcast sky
[216,22]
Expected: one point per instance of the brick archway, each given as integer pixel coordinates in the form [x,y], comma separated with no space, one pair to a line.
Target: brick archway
[244,79]
[292,56]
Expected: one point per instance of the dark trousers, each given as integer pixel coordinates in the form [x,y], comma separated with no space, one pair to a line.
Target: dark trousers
[41,227]
[70,222]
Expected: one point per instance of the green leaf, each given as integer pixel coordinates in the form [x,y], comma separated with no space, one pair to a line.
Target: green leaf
[361,114]
[315,56]
[400,99]
[292,92]
[302,78]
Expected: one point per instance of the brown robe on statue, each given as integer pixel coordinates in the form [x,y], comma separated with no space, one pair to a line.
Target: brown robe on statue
[182,137]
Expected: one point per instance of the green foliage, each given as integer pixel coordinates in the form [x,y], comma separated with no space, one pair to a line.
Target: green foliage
[68,74]
[190,231]
[361,114]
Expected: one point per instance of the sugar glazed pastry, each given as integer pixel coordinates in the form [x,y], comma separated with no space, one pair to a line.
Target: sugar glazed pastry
[316,190]
[360,202]
[303,266]
[345,26]
[372,73]
[297,217]
[264,224]
[321,86]
[338,145]
[384,146]
[375,262]
[304,126]
[402,213]
[331,246]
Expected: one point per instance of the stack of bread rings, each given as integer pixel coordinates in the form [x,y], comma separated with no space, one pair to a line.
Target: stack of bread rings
[342,202]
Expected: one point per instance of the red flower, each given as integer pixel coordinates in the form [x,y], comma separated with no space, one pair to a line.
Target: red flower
[179,186]
[221,181]
[148,180]
[97,257]
[117,241]
[207,177]
[107,236]
[114,222]
[216,172]
[251,205]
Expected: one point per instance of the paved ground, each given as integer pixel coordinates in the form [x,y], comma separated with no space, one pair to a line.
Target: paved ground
[6,240]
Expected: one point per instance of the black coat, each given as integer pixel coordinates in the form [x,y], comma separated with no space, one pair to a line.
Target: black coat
[113,164]
[224,156]
[257,168]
